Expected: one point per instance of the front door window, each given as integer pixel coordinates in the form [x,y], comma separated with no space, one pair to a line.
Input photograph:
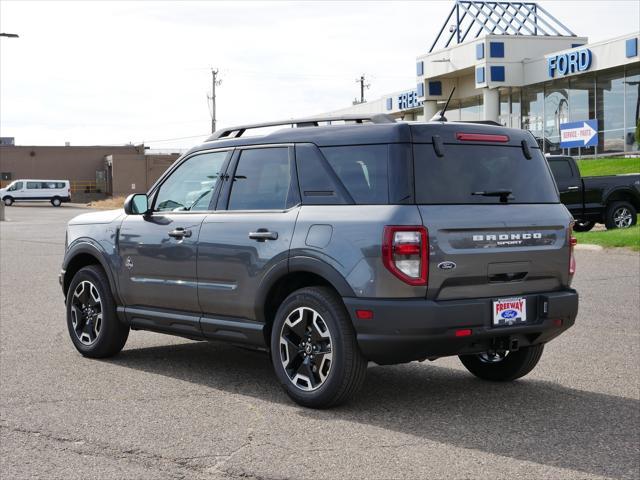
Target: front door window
[191,186]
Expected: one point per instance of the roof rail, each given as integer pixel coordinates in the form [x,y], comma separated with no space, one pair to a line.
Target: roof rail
[481,122]
[235,132]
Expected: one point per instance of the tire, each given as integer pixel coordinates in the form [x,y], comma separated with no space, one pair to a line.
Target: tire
[56,202]
[8,201]
[505,369]
[620,215]
[98,333]
[583,225]
[326,367]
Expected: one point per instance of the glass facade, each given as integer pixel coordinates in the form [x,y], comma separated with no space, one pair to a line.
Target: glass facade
[533,109]
[471,109]
[610,96]
[632,108]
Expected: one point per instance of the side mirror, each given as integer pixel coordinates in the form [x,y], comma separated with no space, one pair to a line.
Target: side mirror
[136,204]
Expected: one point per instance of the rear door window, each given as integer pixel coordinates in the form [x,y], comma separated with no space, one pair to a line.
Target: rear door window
[363,171]
[263,180]
[561,169]
[466,169]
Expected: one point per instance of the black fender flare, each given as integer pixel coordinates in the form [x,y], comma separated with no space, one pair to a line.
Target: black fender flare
[299,264]
[90,248]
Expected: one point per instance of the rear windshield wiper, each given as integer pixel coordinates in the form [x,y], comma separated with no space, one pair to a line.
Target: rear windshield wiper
[503,193]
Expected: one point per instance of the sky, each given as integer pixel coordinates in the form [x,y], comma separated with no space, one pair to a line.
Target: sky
[109,73]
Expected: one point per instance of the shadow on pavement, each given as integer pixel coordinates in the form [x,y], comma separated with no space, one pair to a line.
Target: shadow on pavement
[529,420]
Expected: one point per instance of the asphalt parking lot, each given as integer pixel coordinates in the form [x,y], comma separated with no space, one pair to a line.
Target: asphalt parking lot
[173,408]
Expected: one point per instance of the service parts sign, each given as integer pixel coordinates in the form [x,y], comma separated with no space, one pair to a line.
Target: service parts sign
[579,134]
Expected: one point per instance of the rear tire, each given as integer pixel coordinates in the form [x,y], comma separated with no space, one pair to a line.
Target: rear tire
[583,225]
[56,202]
[505,369]
[620,215]
[314,350]
[94,327]
[8,201]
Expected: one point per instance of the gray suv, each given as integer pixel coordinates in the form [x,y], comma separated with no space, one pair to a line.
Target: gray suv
[334,245]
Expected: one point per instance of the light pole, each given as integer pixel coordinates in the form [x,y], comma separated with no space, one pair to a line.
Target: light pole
[8,35]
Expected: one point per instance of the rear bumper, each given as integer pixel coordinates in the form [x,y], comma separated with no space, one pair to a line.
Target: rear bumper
[403,330]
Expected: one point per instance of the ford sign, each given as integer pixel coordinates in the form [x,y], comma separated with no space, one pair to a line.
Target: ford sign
[570,62]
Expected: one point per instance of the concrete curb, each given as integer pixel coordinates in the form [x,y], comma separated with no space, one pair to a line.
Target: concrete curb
[589,246]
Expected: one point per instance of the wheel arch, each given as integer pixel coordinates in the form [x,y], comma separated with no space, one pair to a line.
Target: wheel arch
[622,195]
[282,280]
[80,256]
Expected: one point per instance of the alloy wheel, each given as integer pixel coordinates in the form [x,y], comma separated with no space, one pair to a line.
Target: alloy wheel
[86,312]
[306,349]
[622,217]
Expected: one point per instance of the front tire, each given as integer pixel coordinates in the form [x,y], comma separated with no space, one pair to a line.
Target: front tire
[503,366]
[620,215]
[583,225]
[93,325]
[8,201]
[314,350]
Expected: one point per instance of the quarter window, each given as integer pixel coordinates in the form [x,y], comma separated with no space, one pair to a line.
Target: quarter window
[34,185]
[262,180]
[363,171]
[190,187]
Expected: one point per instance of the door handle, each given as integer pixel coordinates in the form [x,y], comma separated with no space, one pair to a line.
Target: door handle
[180,233]
[263,234]
[573,188]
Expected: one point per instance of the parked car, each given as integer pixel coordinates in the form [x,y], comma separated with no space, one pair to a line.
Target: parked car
[28,190]
[613,200]
[333,246]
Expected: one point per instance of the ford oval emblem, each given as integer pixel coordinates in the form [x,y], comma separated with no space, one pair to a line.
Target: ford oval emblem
[509,314]
[446,265]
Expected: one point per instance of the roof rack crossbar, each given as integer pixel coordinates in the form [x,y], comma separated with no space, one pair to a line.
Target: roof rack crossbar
[238,131]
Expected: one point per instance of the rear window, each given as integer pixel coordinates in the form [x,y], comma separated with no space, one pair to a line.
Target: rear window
[363,171]
[465,170]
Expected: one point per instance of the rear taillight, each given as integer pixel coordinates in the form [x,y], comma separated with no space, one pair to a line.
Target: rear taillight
[573,241]
[404,253]
[481,137]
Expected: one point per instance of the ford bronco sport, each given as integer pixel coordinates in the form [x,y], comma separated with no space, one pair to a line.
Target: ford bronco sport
[332,246]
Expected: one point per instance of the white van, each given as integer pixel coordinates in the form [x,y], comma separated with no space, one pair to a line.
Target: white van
[54,191]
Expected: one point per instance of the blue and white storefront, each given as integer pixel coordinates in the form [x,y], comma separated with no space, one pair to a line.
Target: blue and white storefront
[514,63]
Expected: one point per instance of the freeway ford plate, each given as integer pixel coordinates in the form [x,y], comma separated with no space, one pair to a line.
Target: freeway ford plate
[509,311]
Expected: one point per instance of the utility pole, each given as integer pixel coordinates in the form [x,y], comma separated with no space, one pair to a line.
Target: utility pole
[363,85]
[214,83]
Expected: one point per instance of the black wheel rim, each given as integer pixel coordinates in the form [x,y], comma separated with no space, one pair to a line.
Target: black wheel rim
[86,312]
[622,217]
[306,349]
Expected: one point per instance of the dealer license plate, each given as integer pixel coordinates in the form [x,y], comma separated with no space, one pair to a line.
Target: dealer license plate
[509,311]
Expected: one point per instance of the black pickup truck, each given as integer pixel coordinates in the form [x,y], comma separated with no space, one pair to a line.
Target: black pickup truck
[613,200]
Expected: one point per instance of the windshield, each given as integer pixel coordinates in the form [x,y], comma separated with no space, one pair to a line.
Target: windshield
[472,174]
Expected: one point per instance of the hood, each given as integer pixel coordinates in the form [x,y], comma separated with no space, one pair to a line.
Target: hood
[106,216]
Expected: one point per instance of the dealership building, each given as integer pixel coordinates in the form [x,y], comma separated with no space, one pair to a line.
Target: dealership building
[516,64]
